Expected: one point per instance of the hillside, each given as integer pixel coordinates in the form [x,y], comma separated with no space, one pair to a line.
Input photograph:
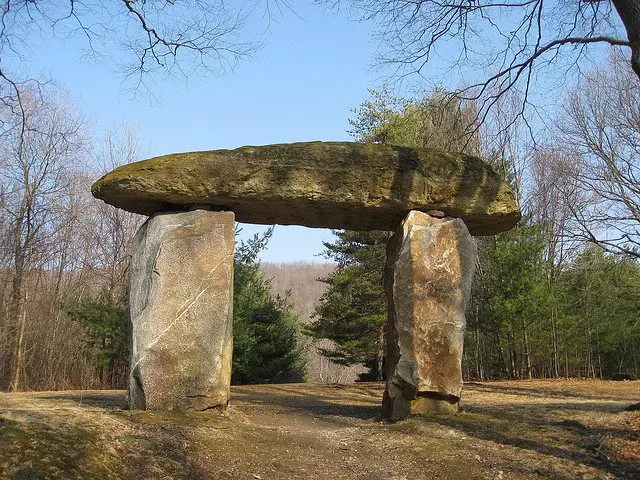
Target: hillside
[300,282]
[508,430]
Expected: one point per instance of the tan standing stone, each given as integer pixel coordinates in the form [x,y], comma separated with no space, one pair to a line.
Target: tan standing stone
[181,301]
[430,263]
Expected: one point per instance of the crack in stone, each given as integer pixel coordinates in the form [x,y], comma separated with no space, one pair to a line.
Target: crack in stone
[211,407]
[183,311]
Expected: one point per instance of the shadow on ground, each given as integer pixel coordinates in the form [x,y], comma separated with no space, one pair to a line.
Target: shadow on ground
[315,401]
[527,430]
[107,399]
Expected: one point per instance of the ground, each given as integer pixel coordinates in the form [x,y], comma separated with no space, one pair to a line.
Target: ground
[507,430]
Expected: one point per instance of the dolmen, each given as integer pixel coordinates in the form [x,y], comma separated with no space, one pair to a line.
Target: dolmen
[181,289]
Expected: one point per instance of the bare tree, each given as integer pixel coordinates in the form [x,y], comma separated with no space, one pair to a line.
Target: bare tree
[551,197]
[150,35]
[515,41]
[37,154]
[602,124]
[505,141]
[112,229]
[141,38]
[66,247]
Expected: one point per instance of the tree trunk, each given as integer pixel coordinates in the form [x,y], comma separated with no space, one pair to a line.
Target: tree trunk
[527,353]
[554,330]
[600,376]
[503,361]
[16,319]
[629,12]
[479,369]
[512,359]
[101,370]
[18,354]
[381,358]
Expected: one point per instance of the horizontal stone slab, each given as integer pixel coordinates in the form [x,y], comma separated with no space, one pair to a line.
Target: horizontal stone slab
[349,185]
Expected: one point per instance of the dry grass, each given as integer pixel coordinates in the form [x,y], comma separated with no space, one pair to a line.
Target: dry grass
[507,430]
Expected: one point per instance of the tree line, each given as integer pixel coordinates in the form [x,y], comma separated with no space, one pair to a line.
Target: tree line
[58,247]
[557,296]
[64,261]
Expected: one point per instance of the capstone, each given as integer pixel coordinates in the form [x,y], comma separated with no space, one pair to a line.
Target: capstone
[347,185]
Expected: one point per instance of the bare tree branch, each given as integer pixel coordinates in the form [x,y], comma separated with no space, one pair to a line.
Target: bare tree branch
[502,44]
[146,37]
[602,125]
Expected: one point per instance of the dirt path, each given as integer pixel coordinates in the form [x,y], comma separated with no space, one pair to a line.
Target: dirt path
[508,430]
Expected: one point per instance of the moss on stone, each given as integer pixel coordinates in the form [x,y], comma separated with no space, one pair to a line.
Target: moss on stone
[318,184]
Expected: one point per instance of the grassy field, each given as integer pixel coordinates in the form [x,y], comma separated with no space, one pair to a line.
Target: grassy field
[507,430]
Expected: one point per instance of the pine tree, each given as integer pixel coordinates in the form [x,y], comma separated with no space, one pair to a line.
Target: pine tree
[267,339]
[600,297]
[108,337]
[353,309]
[267,346]
[510,302]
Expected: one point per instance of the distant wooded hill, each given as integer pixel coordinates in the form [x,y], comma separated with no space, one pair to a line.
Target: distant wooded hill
[300,281]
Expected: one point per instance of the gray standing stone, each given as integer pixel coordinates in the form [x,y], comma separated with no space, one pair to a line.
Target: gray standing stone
[430,264]
[181,301]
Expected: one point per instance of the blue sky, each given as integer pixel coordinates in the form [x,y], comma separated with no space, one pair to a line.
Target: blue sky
[313,69]
[301,85]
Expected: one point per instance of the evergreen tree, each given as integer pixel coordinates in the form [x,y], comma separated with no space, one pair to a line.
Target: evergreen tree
[353,310]
[509,305]
[106,326]
[267,346]
[600,314]
[267,339]
[433,121]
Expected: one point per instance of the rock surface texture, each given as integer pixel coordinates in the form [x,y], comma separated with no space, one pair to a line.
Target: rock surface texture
[318,184]
[181,301]
[430,264]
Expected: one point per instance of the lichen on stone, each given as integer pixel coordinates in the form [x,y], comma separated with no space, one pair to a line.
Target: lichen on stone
[349,185]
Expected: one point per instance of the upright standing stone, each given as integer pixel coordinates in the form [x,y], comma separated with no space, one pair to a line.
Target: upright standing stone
[181,301]
[430,263]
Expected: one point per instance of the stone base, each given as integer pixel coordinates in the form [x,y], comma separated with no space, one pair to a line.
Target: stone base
[181,310]
[430,263]
[397,407]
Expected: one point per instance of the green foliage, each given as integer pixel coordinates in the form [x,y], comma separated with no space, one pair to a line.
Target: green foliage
[353,309]
[267,344]
[107,328]
[510,300]
[437,120]
[600,308]
[527,320]
[528,316]
[267,338]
